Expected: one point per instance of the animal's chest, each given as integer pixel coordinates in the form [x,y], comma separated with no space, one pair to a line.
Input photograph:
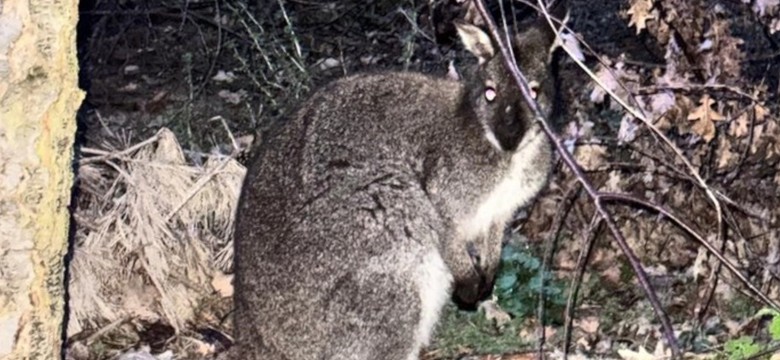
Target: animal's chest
[496,206]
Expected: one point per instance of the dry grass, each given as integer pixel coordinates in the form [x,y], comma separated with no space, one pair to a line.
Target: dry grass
[153,229]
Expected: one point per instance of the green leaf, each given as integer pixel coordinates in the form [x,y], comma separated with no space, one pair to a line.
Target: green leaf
[741,348]
[532,263]
[774,328]
[506,281]
[767,311]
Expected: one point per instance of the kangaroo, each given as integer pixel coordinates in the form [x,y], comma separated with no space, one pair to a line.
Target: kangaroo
[381,197]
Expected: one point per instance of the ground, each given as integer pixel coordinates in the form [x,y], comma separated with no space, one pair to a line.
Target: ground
[215,75]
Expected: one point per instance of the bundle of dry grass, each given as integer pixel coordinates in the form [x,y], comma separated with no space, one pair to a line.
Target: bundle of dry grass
[152,231]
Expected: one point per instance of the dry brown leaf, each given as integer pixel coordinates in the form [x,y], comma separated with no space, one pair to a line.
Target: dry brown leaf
[704,117]
[201,347]
[590,156]
[762,7]
[628,130]
[604,75]
[740,127]
[661,352]
[758,131]
[550,331]
[223,284]
[612,274]
[570,42]
[518,357]
[700,267]
[761,112]
[725,156]
[661,102]
[725,58]
[494,312]
[589,324]
[642,354]
[641,12]
[733,326]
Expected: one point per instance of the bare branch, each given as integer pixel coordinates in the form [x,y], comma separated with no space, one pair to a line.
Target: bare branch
[522,83]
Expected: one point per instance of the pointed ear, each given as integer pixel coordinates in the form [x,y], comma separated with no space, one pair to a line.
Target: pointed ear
[475,41]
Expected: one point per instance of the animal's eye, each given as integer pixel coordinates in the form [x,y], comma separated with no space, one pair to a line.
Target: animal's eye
[490,94]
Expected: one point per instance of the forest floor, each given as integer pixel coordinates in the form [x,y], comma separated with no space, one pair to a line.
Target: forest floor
[179,92]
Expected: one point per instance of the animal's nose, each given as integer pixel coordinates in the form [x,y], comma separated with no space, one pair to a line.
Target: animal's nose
[467,296]
[485,289]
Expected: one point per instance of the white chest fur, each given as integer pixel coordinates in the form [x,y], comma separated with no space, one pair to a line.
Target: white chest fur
[522,181]
[433,283]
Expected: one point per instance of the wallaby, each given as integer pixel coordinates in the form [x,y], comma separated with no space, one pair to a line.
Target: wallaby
[378,198]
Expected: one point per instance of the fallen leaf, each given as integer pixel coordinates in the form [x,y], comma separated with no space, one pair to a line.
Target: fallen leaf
[550,331]
[610,82]
[589,324]
[761,112]
[590,156]
[612,274]
[224,76]
[661,351]
[223,284]
[661,102]
[641,12]
[725,156]
[642,354]
[233,97]
[740,126]
[704,117]
[202,348]
[568,41]
[700,267]
[494,312]
[628,130]
[761,7]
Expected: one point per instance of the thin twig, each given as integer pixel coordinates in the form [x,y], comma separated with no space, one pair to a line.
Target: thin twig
[233,141]
[106,155]
[649,124]
[217,51]
[197,187]
[586,247]
[522,83]
[661,210]
[692,87]
[560,217]
[705,301]
[104,330]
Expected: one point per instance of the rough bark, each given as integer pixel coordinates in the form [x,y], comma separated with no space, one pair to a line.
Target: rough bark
[38,102]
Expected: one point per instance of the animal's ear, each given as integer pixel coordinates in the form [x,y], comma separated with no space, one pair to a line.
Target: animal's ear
[475,41]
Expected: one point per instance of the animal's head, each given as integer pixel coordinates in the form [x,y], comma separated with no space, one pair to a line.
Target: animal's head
[493,94]
[483,258]
[497,103]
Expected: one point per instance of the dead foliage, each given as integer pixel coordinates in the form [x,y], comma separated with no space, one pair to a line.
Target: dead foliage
[701,140]
[153,234]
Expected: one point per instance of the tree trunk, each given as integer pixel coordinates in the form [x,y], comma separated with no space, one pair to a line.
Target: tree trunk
[38,102]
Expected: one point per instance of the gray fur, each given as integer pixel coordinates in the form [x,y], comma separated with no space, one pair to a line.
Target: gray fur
[376,200]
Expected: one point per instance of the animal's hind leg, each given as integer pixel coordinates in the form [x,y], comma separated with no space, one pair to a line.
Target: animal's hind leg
[375,316]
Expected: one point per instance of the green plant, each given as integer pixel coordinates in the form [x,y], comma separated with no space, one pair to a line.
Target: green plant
[519,281]
[517,286]
[746,346]
[462,332]
[741,348]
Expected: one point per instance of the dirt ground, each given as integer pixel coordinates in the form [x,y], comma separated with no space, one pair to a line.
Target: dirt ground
[217,74]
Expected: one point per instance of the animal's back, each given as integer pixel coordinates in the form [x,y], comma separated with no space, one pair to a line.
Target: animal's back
[343,168]
[380,194]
